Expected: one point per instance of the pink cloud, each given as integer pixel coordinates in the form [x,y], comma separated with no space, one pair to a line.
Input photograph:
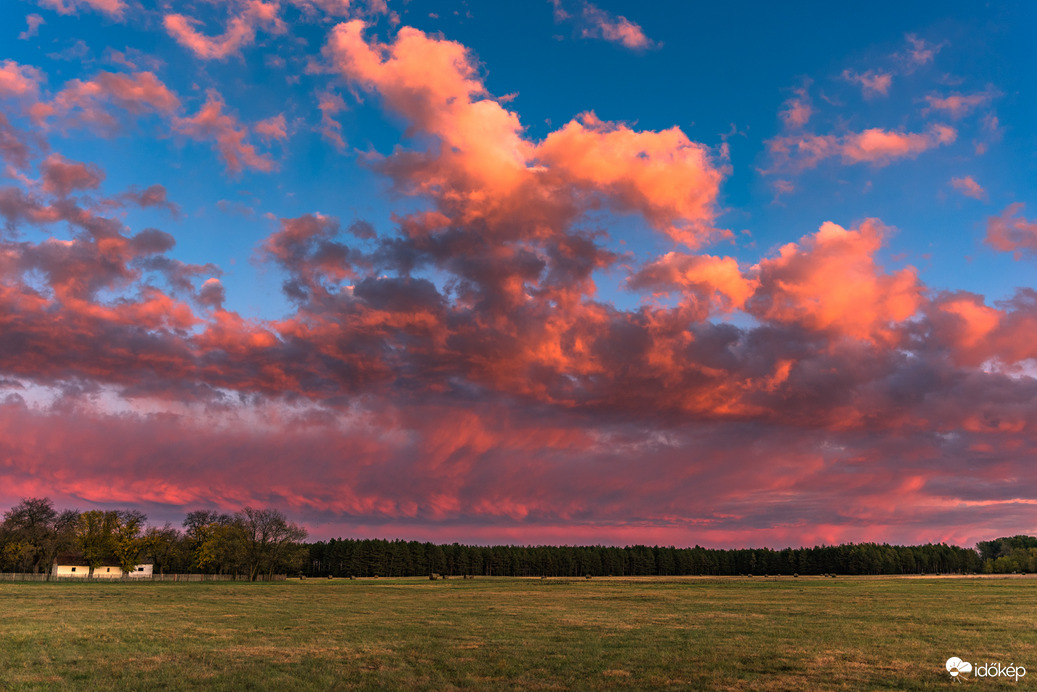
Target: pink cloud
[18,81]
[875,146]
[1011,232]
[797,110]
[272,128]
[90,102]
[872,82]
[151,196]
[343,8]
[241,30]
[879,147]
[921,51]
[61,176]
[330,104]
[969,187]
[33,23]
[599,23]
[16,146]
[113,8]
[594,22]
[210,123]
[958,105]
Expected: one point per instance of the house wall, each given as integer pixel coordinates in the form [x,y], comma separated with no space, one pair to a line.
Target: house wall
[141,571]
[80,571]
[107,572]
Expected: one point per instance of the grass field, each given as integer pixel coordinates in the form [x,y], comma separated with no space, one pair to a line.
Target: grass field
[726,633]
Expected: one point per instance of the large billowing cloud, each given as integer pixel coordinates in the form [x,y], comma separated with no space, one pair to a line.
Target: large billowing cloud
[462,377]
[480,166]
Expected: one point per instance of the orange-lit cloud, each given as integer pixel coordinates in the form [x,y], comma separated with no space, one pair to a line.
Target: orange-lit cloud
[829,281]
[483,166]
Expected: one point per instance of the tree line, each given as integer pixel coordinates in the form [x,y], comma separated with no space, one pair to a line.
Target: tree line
[374,557]
[252,542]
[249,542]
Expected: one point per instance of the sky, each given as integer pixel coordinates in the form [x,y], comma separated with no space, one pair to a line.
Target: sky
[740,275]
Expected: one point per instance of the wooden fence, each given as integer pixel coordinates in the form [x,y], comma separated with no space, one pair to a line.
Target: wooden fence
[29,576]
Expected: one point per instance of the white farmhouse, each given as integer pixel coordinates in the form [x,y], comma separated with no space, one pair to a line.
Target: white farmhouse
[72,565]
[142,571]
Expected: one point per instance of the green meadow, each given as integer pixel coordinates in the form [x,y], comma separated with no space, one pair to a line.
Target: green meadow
[634,633]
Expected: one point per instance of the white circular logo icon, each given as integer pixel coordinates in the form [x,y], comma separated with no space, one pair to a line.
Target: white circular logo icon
[956,666]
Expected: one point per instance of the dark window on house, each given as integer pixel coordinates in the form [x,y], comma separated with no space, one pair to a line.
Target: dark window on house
[140,569]
[108,569]
[73,569]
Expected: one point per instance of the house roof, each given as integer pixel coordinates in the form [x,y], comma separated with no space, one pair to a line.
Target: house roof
[77,560]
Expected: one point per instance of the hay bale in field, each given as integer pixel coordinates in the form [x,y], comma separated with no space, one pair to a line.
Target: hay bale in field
[330,577]
[352,577]
[433,576]
[796,575]
[587,577]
